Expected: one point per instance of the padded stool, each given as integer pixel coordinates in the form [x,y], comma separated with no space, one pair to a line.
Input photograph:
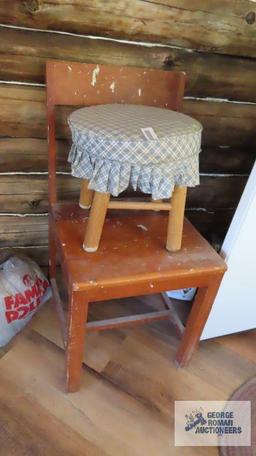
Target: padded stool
[151,149]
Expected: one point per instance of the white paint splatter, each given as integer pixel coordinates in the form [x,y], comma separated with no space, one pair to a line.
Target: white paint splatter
[94,75]
[224,174]
[112,86]
[220,100]
[103,38]
[143,227]
[196,209]
[14,214]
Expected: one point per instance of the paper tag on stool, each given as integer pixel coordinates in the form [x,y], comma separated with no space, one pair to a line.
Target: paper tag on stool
[149,133]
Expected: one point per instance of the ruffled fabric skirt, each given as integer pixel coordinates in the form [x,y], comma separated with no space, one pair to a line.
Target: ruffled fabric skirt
[112,176]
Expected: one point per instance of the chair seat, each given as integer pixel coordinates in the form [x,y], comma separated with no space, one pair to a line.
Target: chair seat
[150,148]
[131,253]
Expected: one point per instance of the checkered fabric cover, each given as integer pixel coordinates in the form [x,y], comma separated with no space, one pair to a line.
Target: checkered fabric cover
[110,149]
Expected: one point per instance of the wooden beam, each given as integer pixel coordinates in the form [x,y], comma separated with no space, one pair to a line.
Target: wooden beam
[226,159]
[17,231]
[211,222]
[35,252]
[30,155]
[29,194]
[23,115]
[229,124]
[226,27]
[23,54]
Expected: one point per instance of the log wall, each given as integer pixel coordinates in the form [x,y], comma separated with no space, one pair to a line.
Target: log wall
[214,42]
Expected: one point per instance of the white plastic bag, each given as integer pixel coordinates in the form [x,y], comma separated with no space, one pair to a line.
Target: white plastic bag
[23,289]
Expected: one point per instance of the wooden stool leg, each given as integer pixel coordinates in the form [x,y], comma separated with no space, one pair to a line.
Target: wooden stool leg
[78,308]
[86,195]
[96,221]
[176,218]
[196,321]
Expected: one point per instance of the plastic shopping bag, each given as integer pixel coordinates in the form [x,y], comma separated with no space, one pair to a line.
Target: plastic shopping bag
[23,290]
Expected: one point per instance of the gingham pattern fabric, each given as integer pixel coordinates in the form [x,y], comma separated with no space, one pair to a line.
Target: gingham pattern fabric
[110,150]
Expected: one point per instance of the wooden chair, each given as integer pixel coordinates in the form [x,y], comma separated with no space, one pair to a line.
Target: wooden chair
[130,261]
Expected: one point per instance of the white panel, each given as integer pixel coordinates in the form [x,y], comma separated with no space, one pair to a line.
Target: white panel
[234,308]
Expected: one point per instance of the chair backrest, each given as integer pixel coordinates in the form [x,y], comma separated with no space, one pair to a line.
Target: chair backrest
[86,84]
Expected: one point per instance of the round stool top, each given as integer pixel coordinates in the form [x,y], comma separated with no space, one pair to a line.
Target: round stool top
[150,148]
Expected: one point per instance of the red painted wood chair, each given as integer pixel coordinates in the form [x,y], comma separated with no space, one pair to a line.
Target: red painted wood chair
[130,261]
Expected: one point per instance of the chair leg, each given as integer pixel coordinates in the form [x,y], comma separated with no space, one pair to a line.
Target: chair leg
[96,221]
[78,308]
[196,321]
[86,195]
[52,251]
[176,218]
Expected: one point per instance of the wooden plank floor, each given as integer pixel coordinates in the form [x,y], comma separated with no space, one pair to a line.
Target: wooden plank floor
[129,384]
